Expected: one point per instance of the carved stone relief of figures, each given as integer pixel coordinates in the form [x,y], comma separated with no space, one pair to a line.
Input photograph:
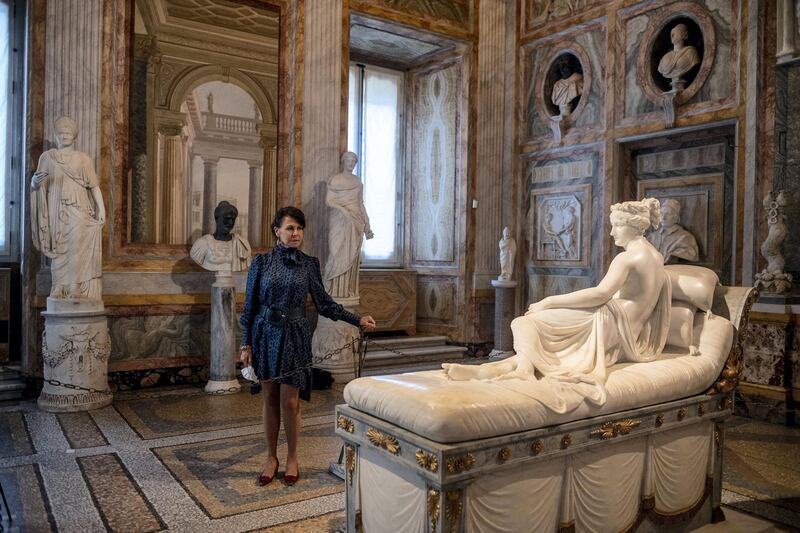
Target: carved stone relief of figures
[671,239]
[542,11]
[559,229]
[773,278]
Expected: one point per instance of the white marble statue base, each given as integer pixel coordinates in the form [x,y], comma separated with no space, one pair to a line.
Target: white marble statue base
[330,335]
[222,366]
[75,350]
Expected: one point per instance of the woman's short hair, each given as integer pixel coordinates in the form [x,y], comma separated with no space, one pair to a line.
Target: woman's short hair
[641,215]
[65,123]
[288,211]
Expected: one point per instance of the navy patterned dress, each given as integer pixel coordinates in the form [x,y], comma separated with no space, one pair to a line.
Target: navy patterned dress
[283,277]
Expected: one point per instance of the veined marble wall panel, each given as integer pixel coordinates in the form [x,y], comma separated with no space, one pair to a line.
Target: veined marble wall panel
[541,286]
[434,159]
[764,353]
[719,88]
[593,42]
[436,300]
[73,48]
[787,157]
[489,137]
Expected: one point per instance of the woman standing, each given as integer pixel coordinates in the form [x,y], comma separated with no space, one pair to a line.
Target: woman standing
[276,339]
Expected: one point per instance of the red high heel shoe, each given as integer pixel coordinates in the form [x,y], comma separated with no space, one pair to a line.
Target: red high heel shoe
[290,480]
[266,480]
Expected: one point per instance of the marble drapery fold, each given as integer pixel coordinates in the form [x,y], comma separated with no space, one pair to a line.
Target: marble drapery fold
[65,228]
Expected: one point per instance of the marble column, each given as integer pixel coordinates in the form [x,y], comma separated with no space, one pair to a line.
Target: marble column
[222,366]
[209,193]
[322,104]
[504,296]
[269,195]
[172,178]
[255,204]
[787,48]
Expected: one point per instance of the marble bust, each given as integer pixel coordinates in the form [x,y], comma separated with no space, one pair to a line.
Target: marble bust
[67,216]
[566,342]
[348,224]
[223,250]
[566,89]
[508,249]
[671,239]
[680,59]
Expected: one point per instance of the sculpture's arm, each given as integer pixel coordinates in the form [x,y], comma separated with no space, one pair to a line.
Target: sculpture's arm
[367,228]
[41,173]
[593,296]
[97,195]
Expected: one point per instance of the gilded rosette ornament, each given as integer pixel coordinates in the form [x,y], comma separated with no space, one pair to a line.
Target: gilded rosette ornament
[382,440]
[345,424]
[609,430]
[456,465]
[427,461]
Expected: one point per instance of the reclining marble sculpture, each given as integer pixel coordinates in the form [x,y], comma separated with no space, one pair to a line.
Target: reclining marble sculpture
[565,343]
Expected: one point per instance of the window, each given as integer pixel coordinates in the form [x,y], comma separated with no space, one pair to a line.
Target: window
[374,134]
[10,104]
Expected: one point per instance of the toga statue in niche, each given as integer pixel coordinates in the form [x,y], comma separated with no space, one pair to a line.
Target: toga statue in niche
[680,59]
[67,216]
[566,89]
[671,239]
[223,250]
[508,249]
[565,343]
[348,224]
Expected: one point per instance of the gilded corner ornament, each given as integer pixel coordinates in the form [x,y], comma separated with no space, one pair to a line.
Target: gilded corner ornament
[350,463]
[345,424]
[382,440]
[609,430]
[433,508]
[428,461]
[452,509]
[456,465]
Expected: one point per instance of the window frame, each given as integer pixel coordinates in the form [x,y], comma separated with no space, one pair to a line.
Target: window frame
[14,177]
[398,260]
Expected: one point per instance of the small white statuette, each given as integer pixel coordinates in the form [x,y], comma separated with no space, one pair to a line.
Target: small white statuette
[680,59]
[508,249]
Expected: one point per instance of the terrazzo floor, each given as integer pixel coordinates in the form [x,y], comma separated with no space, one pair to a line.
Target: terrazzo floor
[177,459]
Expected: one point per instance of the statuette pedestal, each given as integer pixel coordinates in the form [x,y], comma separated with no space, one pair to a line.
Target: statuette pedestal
[75,350]
[504,292]
[222,367]
[331,335]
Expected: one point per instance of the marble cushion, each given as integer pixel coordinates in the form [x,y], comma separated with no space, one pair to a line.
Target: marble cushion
[681,325]
[430,405]
[693,285]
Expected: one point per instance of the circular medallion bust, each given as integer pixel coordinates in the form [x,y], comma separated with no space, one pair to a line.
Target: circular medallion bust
[563,83]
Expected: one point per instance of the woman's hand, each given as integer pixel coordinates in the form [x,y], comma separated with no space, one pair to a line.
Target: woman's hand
[367,322]
[246,355]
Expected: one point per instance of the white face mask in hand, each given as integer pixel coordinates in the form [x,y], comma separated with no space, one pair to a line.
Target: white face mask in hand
[249,374]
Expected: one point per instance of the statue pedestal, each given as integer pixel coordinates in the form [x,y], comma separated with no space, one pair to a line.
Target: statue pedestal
[504,292]
[75,350]
[222,367]
[331,335]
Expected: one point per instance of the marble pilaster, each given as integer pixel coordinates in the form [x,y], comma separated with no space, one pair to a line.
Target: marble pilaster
[504,312]
[322,99]
[788,38]
[171,178]
[255,203]
[222,366]
[209,193]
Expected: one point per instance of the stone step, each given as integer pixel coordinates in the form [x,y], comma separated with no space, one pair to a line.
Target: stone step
[433,355]
[413,367]
[10,372]
[11,389]
[400,343]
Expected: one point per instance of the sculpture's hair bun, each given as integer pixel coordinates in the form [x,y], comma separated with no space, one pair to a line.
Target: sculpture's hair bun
[641,214]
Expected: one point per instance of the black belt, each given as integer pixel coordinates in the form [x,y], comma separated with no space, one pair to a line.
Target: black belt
[278,315]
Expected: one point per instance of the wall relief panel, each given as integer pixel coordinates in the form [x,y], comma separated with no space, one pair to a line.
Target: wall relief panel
[561,226]
[436,299]
[564,84]
[537,13]
[683,49]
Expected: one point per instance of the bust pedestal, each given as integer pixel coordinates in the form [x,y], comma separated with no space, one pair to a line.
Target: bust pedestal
[75,349]
[331,335]
[222,367]
[504,291]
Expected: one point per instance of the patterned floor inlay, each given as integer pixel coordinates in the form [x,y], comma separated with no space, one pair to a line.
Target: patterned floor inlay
[762,475]
[195,412]
[121,504]
[30,509]
[14,437]
[329,523]
[80,430]
[220,475]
